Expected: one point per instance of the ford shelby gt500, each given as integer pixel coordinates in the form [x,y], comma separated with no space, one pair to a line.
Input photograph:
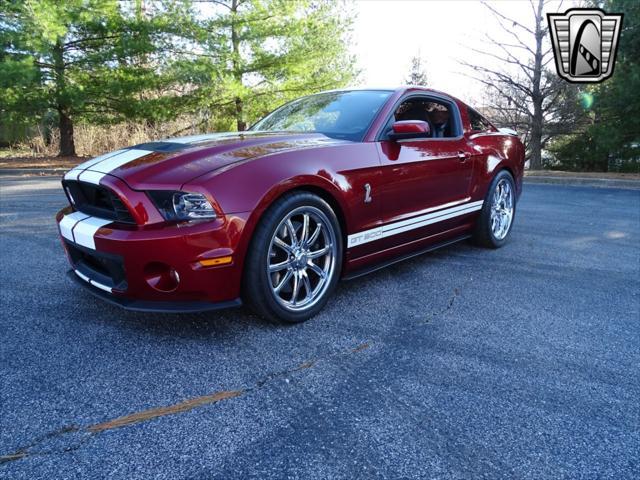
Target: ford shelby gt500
[329,186]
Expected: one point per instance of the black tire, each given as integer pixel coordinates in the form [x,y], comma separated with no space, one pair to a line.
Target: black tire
[483,234]
[258,291]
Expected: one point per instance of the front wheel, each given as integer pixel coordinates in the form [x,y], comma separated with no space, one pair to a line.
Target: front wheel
[295,259]
[498,211]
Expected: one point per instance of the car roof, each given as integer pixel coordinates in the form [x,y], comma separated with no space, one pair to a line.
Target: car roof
[396,89]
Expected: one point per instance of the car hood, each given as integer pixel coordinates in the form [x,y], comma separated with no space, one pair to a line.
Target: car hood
[176,161]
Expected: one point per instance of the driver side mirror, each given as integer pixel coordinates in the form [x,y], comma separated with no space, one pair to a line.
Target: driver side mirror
[406,129]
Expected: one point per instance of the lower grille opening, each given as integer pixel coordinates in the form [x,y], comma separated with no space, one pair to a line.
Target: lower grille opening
[104,268]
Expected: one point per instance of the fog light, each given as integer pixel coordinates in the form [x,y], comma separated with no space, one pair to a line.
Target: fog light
[161,277]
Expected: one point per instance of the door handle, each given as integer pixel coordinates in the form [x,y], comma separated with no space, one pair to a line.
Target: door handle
[463,156]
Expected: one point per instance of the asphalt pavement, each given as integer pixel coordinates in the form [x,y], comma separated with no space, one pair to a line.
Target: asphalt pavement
[522,362]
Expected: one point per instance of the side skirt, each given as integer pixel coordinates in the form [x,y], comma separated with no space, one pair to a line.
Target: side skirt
[401,258]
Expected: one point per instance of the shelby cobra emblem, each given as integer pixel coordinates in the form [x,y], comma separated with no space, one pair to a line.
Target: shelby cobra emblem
[584,43]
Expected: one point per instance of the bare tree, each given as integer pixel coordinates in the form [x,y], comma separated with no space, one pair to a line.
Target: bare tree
[524,89]
[417,73]
[507,110]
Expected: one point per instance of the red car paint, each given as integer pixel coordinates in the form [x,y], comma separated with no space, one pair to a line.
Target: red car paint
[242,174]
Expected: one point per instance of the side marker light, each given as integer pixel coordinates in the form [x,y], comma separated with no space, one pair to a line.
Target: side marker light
[212,262]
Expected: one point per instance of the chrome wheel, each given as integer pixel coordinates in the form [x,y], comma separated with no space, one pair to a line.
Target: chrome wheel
[302,258]
[502,209]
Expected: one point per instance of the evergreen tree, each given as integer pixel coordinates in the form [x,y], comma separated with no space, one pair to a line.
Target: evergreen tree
[276,50]
[98,60]
[104,61]
[612,106]
[417,73]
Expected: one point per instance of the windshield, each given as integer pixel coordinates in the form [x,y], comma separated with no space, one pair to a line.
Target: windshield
[345,115]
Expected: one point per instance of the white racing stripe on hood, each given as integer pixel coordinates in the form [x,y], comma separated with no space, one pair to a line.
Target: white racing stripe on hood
[117,161]
[91,177]
[73,173]
[94,170]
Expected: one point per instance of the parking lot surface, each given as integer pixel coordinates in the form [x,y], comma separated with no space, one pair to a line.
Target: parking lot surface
[465,363]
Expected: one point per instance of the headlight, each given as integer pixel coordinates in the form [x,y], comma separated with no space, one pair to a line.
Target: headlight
[182,205]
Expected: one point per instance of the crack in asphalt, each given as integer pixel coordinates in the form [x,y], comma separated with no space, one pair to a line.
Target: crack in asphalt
[24,451]
[457,291]
[189,404]
[90,431]
[163,411]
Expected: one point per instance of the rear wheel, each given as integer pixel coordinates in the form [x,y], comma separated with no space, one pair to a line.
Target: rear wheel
[294,260]
[498,211]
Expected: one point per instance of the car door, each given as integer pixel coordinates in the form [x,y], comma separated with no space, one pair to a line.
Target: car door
[423,176]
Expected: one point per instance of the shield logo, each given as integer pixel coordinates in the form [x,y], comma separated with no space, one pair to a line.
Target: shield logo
[585,41]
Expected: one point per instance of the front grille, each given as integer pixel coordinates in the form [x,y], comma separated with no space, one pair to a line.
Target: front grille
[97,200]
[105,268]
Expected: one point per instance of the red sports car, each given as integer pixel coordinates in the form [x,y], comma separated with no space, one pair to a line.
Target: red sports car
[331,185]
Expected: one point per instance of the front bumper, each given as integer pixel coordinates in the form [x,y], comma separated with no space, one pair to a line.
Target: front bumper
[156,306]
[119,262]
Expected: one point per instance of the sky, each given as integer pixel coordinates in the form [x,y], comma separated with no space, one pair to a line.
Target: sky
[387,33]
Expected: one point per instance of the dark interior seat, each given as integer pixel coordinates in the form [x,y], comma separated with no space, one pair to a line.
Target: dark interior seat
[416,111]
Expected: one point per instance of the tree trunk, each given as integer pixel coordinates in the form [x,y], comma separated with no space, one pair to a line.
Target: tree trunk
[67,145]
[536,97]
[535,160]
[241,124]
[237,72]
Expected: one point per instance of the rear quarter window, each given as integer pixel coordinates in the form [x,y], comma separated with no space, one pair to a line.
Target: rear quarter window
[477,122]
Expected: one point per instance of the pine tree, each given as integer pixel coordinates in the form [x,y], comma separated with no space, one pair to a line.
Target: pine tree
[276,50]
[613,129]
[93,60]
[417,73]
[102,61]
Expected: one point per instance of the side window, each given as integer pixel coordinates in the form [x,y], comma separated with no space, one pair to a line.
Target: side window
[437,114]
[478,122]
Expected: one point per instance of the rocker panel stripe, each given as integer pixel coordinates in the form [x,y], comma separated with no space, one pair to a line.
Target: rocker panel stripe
[402,226]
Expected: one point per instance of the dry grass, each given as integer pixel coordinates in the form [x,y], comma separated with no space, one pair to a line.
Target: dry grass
[34,162]
[92,140]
